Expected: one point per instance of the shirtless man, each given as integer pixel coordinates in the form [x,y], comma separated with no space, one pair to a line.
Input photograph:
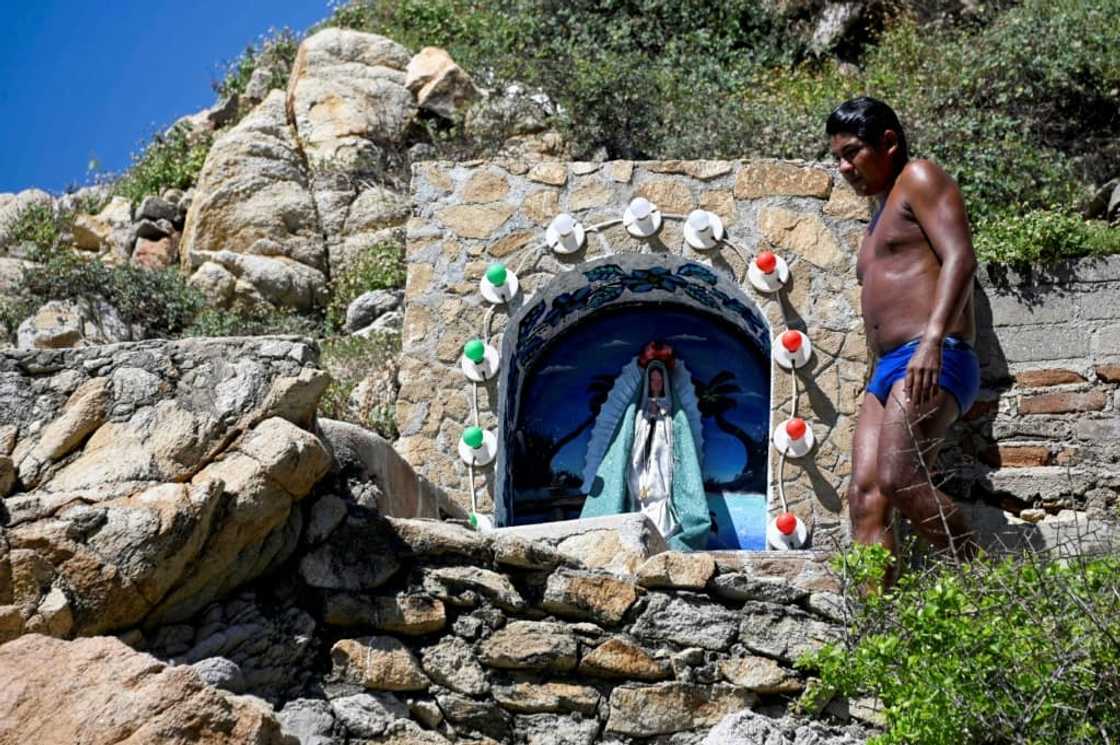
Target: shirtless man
[915,265]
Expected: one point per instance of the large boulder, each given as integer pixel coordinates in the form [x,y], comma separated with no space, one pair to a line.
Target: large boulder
[347,95]
[440,85]
[151,478]
[253,213]
[100,692]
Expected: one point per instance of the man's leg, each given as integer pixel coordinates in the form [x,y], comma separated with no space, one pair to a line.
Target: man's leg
[870,511]
[909,440]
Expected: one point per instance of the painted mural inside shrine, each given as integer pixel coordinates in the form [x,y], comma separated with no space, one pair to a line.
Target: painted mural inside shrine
[571,344]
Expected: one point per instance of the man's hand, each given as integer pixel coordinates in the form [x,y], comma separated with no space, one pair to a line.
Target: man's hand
[924,372]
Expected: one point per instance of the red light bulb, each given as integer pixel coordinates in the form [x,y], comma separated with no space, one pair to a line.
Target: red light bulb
[791,340]
[795,428]
[766,262]
[786,523]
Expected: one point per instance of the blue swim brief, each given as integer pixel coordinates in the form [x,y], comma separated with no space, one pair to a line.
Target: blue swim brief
[960,371]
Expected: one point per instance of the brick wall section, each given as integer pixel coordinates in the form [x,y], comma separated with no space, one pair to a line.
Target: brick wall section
[1046,432]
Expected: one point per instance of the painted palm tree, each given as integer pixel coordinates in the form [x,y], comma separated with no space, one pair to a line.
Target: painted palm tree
[597,390]
[716,398]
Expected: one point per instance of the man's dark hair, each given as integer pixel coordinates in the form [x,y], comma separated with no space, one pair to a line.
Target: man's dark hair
[867,118]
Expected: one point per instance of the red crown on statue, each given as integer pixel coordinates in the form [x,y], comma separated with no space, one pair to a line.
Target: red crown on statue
[657,351]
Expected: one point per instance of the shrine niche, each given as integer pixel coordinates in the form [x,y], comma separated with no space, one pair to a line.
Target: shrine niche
[578,345]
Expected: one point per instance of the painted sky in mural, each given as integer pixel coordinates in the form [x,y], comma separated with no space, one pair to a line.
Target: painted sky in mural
[574,375]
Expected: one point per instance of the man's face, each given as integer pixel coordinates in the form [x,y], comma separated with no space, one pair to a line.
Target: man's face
[867,168]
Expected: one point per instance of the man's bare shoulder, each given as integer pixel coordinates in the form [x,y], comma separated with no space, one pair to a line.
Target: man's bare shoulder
[924,177]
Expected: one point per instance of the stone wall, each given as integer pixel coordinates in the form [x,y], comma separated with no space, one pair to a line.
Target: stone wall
[432,633]
[1030,441]
[1045,435]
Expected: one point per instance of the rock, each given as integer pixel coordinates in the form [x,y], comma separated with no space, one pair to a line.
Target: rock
[437,538]
[618,543]
[689,623]
[371,458]
[221,673]
[515,551]
[156,254]
[549,729]
[481,716]
[475,220]
[370,306]
[360,556]
[775,178]
[411,615]
[749,727]
[835,22]
[274,278]
[309,720]
[532,698]
[90,233]
[677,570]
[802,233]
[663,708]
[391,322]
[759,674]
[216,283]
[326,514]
[598,597]
[379,663]
[153,476]
[347,93]
[620,658]
[408,733]
[156,208]
[153,231]
[439,84]
[111,694]
[72,323]
[253,197]
[743,586]
[531,645]
[446,582]
[7,475]
[783,632]
[368,715]
[451,663]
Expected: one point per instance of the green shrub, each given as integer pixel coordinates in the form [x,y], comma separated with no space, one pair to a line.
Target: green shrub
[351,359]
[36,223]
[258,321]
[381,267]
[1018,650]
[1041,236]
[160,301]
[171,160]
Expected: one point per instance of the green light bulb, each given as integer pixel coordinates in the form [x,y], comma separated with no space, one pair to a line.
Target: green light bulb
[475,350]
[473,437]
[496,273]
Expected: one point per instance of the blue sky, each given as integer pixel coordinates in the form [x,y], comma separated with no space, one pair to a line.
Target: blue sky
[84,80]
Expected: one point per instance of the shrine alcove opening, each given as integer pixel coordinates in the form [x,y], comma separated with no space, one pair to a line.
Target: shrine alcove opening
[571,350]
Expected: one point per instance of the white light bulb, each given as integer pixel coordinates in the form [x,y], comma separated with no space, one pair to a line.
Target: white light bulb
[700,221]
[564,225]
[640,208]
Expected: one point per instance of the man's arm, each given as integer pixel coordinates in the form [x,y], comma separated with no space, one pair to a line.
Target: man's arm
[937,204]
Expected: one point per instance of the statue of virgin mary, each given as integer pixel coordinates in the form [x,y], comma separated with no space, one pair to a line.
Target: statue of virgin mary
[646,450]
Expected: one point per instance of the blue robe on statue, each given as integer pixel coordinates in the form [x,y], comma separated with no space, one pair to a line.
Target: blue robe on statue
[609,455]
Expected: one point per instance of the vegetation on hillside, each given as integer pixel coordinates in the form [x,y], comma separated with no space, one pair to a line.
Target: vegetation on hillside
[1018,650]
[1020,101]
